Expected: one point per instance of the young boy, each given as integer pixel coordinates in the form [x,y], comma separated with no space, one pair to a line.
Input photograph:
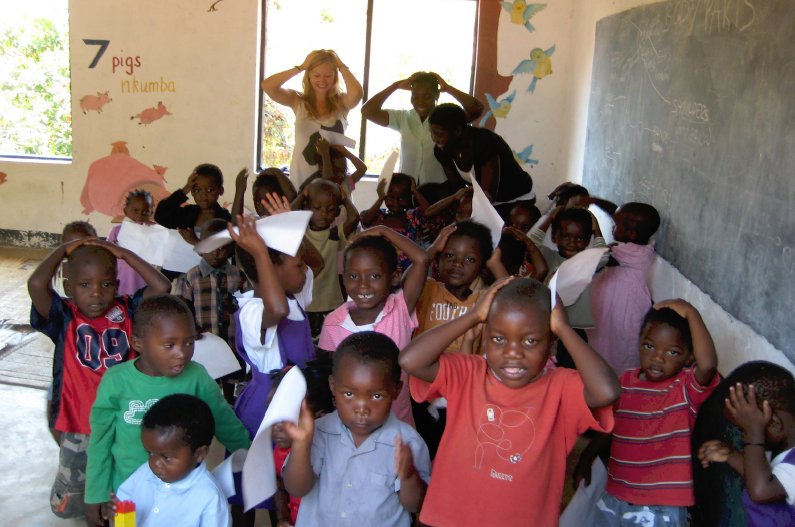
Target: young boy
[765,412]
[650,472]
[620,295]
[324,199]
[163,336]
[91,331]
[205,184]
[510,422]
[269,181]
[208,287]
[359,464]
[174,487]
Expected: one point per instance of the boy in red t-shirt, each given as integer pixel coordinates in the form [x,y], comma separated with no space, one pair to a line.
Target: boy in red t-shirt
[91,331]
[510,422]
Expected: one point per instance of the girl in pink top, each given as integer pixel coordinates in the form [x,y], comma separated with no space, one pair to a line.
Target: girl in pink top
[138,208]
[369,275]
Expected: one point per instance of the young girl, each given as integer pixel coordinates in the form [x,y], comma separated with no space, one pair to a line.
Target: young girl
[271,326]
[521,256]
[400,215]
[320,104]
[269,181]
[369,275]
[510,422]
[138,208]
[324,199]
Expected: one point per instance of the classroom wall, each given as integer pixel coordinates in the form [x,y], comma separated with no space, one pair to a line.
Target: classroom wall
[203,66]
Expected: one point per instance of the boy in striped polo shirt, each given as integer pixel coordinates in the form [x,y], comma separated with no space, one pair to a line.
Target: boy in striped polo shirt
[650,477]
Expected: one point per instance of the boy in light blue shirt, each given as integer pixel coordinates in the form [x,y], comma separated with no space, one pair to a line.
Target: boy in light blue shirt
[175,487]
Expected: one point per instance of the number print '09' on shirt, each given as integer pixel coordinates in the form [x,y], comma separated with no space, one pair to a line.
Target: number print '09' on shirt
[84,349]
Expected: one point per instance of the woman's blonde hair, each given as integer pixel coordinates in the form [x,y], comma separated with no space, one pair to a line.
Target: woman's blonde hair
[333,96]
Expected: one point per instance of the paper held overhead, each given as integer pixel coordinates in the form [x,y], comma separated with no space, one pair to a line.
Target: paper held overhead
[336,138]
[389,168]
[484,212]
[282,232]
[574,275]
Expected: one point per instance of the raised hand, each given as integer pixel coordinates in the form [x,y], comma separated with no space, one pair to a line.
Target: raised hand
[247,237]
[304,429]
[714,452]
[404,459]
[746,413]
[191,181]
[275,204]
[483,305]
[241,180]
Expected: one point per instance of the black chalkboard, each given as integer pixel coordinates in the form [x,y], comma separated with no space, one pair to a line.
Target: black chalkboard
[692,109]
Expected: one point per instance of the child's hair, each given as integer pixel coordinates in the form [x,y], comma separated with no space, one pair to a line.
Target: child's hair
[184,413]
[376,244]
[367,347]
[650,223]
[426,79]
[158,307]
[449,116]
[139,193]
[334,155]
[398,178]
[94,252]
[513,253]
[526,292]
[576,215]
[321,185]
[671,318]
[248,265]
[333,96]
[478,232]
[531,209]
[210,170]
[268,180]
[213,226]
[78,227]
[433,192]
[775,385]
[569,192]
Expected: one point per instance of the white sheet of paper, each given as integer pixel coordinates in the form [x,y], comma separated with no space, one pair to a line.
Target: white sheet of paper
[605,222]
[179,255]
[389,169]
[553,290]
[147,241]
[259,473]
[336,138]
[282,232]
[223,473]
[212,352]
[574,275]
[580,512]
[484,212]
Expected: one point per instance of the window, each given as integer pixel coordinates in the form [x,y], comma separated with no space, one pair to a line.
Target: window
[35,99]
[404,37]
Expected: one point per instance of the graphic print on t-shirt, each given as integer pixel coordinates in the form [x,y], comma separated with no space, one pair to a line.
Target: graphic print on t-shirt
[504,435]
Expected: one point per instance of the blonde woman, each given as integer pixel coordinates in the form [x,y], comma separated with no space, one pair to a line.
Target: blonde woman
[321,104]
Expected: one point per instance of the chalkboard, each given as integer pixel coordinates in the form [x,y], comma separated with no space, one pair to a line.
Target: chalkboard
[692,109]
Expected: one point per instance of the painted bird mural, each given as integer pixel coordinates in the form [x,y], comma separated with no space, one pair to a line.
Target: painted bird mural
[498,109]
[521,12]
[523,157]
[539,64]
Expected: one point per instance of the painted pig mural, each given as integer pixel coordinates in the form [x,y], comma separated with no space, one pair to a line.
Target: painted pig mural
[111,178]
[151,114]
[94,102]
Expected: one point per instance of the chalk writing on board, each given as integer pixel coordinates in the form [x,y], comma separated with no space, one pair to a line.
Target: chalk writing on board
[713,17]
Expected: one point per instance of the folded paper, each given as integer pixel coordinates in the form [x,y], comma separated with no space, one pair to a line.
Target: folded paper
[179,255]
[147,241]
[336,138]
[282,232]
[224,472]
[484,212]
[574,275]
[212,352]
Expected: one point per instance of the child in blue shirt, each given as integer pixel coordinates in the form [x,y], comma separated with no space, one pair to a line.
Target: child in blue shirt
[174,487]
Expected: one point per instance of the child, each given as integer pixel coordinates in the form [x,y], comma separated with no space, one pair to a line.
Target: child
[519,251]
[400,215]
[138,209]
[572,230]
[163,335]
[272,329]
[358,464]
[174,487]
[460,202]
[765,412]
[324,199]
[433,225]
[205,184]
[333,165]
[510,422]
[320,402]
[620,295]
[208,287]
[269,181]
[91,331]
[72,231]
[650,472]
[370,274]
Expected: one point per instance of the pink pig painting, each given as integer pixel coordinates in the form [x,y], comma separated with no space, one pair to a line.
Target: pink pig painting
[111,178]
[152,114]
[94,102]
